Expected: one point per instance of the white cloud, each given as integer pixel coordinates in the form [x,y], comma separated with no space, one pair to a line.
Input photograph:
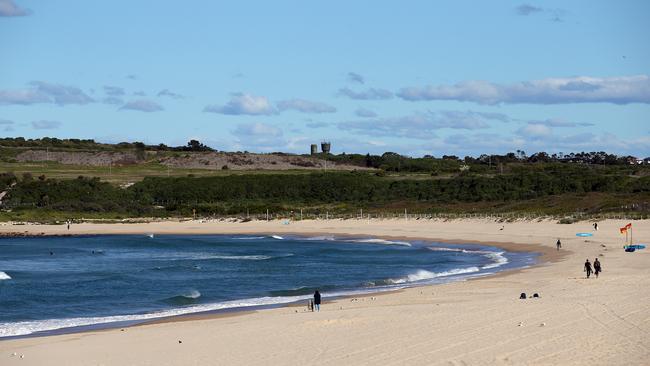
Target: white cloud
[526,9]
[244,104]
[259,137]
[353,77]
[368,94]
[169,93]
[62,94]
[142,105]
[257,130]
[418,126]
[114,91]
[45,92]
[305,106]
[317,124]
[24,96]
[8,8]
[365,113]
[617,90]
[535,131]
[554,122]
[112,100]
[46,125]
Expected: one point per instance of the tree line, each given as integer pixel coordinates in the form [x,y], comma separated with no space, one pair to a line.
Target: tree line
[234,194]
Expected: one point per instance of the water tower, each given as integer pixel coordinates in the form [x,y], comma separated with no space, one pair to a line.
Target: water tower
[325,147]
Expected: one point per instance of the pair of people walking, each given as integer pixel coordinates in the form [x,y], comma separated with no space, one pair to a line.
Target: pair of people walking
[596,267]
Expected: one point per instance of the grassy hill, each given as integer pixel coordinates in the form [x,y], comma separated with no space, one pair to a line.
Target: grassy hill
[50,180]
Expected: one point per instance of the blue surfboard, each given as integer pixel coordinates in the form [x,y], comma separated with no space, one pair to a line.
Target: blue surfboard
[584,234]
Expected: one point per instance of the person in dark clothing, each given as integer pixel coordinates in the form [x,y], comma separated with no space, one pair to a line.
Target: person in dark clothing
[588,268]
[597,268]
[595,228]
[558,244]
[317,300]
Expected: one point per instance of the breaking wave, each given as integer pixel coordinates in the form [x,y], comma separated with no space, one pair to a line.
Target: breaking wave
[422,275]
[4,276]
[382,241]
[498,258]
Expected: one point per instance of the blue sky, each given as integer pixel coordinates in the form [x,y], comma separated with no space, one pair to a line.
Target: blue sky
[414,77]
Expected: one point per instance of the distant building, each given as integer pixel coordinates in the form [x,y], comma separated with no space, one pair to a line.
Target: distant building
[314,149]
[634,161]
[325,147]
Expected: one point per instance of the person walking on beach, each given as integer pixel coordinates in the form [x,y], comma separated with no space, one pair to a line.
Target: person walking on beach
[597,268]
[595,227]
[588,268]
[558,244]
[317,300]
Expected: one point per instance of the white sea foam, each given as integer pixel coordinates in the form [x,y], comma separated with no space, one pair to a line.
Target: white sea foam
[443,249]
[193,294]
[278,237]
[249,238]
[248,257]
[4,276]
[382,241]
[8,329]
[321,238]
[498,258]
[421,275]
[208,256]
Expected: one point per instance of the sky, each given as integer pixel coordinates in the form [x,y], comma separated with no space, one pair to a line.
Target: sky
[412,77]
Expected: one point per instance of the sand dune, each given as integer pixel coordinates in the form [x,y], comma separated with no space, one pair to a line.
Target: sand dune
[604,321]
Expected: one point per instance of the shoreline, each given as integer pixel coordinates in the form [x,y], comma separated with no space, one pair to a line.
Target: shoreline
[477,321]
[545,255]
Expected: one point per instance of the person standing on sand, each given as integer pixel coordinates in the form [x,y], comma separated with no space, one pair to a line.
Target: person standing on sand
[558,244]
[317,300]
[597,268]
[595,227]
[588,268]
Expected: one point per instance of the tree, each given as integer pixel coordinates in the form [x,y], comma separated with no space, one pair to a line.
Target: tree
[195,145]
[139,150]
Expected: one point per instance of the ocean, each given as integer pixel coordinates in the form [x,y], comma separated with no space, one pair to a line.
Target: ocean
[63,284]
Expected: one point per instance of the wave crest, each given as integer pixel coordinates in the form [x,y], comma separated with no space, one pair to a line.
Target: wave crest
[498,258]
[382,241]
[421,275]
[4,276]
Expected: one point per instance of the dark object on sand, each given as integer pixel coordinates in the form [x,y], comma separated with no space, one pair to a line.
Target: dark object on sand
[522,296]
[317,300]
[630,249]
[536,295]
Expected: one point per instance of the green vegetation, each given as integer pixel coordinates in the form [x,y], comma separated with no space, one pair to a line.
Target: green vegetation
[551,191]
[561,184]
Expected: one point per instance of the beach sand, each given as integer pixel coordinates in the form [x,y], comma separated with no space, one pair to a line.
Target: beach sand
[576,321]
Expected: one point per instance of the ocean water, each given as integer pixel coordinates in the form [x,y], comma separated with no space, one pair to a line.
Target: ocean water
[58,283]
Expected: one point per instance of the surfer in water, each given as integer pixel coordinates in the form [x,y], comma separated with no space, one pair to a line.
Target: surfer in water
[588,268]
[597,268]
[558,244]
[317,300]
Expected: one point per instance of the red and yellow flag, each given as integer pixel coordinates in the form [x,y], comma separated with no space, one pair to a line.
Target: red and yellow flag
[624,228]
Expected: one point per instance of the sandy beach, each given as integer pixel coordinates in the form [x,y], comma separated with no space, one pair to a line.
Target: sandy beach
[576,321]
